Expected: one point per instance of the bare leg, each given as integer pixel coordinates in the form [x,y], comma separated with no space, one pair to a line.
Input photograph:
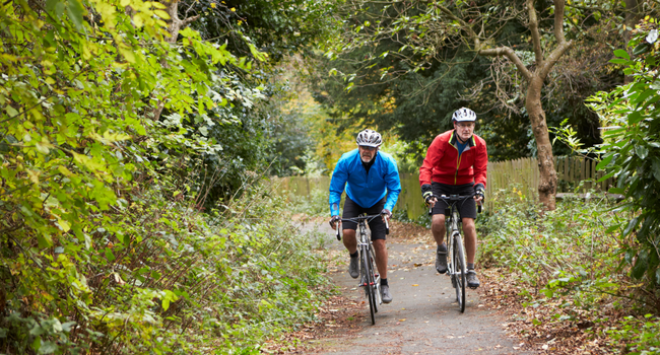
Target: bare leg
[470,232]
[381,257]
[438,228]
[349,240]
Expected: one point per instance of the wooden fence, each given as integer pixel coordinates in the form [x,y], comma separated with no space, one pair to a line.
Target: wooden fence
[574,174]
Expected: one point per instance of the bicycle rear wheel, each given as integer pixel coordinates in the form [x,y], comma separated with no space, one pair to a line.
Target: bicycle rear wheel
[459,272]
[368,277]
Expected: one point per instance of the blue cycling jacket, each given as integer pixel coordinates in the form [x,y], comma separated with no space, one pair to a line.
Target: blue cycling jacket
[365,190]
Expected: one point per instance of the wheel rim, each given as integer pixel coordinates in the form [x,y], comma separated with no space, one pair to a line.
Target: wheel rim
[460,291]
[369,288]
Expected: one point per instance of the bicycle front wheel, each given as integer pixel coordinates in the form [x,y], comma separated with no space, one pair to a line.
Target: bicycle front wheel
[367,277]
[459,272]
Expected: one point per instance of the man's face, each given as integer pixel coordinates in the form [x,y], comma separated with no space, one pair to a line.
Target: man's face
[367,153]
[464,130]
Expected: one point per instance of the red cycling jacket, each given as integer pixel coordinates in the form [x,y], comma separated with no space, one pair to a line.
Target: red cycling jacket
[442,163]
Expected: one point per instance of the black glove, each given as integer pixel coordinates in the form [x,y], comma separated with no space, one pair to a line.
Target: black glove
[479,191]
[334,220]
[427,192]
[387,213]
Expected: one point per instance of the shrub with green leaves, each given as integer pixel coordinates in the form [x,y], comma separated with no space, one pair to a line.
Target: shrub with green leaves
[103,247]
[631,151]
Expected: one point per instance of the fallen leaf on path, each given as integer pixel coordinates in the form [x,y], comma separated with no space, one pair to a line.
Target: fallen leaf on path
[415,285]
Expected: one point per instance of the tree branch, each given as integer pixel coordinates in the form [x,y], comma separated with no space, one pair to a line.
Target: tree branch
[562,45]
[553,58]
[188,20]
[464,24]
[559,22]
[509,54]
[534,28]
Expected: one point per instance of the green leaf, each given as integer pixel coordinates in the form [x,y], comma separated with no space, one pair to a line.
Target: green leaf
[641,151]
[641,265]
[603,163]
[109,255]
[619,61]
[51,5]
[607,176]
[47,347]
[641,48]
[631,225]
[656,167]
[613,228]
[622,54]
[635,117]
[75,11]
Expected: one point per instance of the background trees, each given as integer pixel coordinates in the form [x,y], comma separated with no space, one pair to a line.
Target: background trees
[395,47]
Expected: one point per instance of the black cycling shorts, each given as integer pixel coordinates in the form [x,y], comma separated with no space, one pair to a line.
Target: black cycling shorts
[352,210]
[467,208]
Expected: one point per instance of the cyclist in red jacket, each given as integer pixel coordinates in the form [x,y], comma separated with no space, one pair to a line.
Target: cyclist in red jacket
[456,163]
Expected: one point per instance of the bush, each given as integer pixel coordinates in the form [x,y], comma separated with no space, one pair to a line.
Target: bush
[161,277]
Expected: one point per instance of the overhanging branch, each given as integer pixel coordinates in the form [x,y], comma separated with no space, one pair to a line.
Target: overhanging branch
[509,54]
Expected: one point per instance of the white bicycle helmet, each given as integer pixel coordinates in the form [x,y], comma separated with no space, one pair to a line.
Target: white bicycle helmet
[464,114]
[369,138]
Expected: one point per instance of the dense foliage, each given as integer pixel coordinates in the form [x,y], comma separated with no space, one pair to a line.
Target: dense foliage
[571,271]
[631,152]
[407,67]
[121,148]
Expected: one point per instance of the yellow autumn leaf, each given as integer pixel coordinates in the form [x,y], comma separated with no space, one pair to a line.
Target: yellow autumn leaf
[64,225]
[213,5]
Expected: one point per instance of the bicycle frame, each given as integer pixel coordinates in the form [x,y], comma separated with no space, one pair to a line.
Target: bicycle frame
[454,237]
[366,243]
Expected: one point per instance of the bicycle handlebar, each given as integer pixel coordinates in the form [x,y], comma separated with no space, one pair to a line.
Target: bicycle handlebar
[363,218]
[454,198]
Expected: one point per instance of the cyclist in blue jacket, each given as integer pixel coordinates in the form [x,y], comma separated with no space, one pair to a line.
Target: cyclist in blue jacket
[372,187]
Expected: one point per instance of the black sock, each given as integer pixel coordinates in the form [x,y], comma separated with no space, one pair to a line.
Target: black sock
[354,255]
[383,282]
[442,247]
[470,266]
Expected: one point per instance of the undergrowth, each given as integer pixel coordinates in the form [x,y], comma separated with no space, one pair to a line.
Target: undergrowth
[574,269]
[158,276]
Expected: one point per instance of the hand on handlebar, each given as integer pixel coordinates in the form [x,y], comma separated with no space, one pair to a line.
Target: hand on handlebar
[431,200]
[386,214]
[335,221]
[479,195]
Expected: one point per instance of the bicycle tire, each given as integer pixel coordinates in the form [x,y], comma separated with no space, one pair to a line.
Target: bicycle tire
[368,287]
[375,287]
[460,278]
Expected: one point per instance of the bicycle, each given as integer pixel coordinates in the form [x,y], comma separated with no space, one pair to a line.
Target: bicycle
[456,265]
[369,279]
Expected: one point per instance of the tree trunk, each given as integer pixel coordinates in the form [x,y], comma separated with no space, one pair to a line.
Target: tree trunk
[547,172]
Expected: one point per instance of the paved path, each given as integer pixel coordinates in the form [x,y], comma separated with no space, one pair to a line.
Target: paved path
[424,317]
